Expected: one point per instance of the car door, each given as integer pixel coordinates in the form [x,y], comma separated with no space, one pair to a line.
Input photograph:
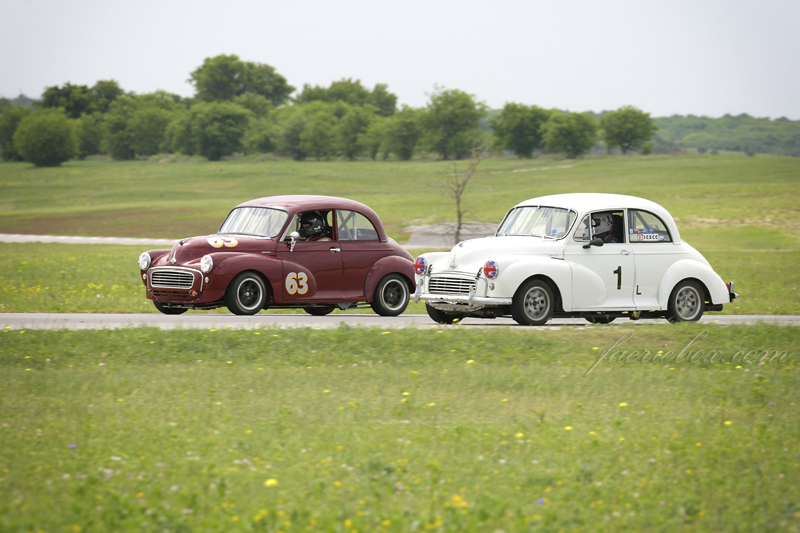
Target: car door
[602,276]
[654,252]
[312,270]
[361,248]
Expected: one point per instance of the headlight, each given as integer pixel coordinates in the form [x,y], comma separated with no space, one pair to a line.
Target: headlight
[419,265]
[206,264]
[144,261]
[490,270]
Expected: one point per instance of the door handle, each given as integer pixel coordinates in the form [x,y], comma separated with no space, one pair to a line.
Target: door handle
[334,250]
[625,252]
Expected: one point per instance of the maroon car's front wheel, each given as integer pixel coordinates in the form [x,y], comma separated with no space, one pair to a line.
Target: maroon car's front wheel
[246,295]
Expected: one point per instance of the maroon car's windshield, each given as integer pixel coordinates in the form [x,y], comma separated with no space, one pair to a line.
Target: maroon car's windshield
[259,221]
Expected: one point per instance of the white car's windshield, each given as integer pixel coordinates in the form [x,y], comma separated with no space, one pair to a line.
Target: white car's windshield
[545,222]
[260,221]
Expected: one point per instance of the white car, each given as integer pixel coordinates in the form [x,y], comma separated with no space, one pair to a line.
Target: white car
[596,256]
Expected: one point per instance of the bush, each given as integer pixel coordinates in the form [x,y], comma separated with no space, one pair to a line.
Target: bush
[45,138]
[9,121]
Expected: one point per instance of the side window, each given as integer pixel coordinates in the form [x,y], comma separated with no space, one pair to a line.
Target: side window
[353,226]
[312,226]
[583,233]
[606,225]
[646,227]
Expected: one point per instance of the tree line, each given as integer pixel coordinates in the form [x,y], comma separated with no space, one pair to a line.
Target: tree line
[246,107]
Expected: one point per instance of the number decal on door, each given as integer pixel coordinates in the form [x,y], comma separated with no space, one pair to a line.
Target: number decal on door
[296,283]
[618,272]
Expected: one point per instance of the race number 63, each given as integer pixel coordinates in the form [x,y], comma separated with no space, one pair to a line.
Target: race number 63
[296,283]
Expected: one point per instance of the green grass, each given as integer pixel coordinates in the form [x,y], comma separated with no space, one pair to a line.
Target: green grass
[405,430]
[720,202]
[80,278]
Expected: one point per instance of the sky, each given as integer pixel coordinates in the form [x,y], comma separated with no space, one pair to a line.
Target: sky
[700,57]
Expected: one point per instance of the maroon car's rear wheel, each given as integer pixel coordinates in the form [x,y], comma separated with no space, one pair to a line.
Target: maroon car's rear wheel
[391,296]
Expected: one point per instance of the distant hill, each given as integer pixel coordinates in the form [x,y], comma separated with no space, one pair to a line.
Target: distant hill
[740,133]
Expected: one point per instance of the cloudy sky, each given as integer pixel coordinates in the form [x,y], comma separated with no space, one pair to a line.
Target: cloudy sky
[702,57]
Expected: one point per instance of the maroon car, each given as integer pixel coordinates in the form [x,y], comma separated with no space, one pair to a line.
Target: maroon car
[317,253]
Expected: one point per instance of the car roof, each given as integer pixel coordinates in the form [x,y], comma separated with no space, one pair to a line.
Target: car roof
[303,202]
[584,202]
[307,202]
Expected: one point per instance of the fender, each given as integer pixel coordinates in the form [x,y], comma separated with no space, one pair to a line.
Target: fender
[389,265]
[688,268]
[557,270]
[228,264]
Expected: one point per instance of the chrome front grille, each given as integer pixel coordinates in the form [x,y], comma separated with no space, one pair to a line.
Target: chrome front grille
[172,279]
[450,285]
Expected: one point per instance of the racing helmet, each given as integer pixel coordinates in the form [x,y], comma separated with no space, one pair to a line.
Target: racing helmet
[601,223]
[311,225]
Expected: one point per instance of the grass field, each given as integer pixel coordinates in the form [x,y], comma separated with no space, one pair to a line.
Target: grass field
[720,202]
[404,430]
[80,278]
[741,212]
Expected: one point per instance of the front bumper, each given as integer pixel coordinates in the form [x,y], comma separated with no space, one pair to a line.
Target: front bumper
[468,301]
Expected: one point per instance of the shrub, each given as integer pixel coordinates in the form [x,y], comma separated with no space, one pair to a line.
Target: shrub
[45,138]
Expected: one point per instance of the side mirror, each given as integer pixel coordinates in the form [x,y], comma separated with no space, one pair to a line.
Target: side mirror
[597,241]
[294,236]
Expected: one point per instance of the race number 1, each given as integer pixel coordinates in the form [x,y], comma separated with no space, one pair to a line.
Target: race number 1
[296,283]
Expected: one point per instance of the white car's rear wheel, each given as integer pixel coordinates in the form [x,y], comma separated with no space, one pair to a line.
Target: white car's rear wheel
[687,302]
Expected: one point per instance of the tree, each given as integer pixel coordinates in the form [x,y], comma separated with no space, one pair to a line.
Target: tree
[627,128]
[224,77]
[519,128]
[402,133]
[88,132]
[456,182]
[289,130]
[137,125]
[74,99]
[353,93]
[352,126]
[105,92]
[45,138]
[573,133]
[9,122]
[211,129]
[256,103]
[451,124]
[374,138]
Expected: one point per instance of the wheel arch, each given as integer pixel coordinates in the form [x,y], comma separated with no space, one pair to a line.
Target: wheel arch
[686,269]
[385,266]
[558,306]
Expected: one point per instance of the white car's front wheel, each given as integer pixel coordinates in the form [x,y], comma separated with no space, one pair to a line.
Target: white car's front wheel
[532,304]
[686,303]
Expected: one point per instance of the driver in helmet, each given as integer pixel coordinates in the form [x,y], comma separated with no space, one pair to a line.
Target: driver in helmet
[602,227]
[312,227]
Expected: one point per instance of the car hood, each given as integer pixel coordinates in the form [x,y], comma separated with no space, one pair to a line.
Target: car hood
[471,255]
[191,250]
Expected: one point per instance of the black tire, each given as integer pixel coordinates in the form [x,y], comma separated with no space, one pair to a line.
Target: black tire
[442,317]
[687,302]
[170,310]
[246,295]
[533,303]
[391,296]
[600,318]
[319,310]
